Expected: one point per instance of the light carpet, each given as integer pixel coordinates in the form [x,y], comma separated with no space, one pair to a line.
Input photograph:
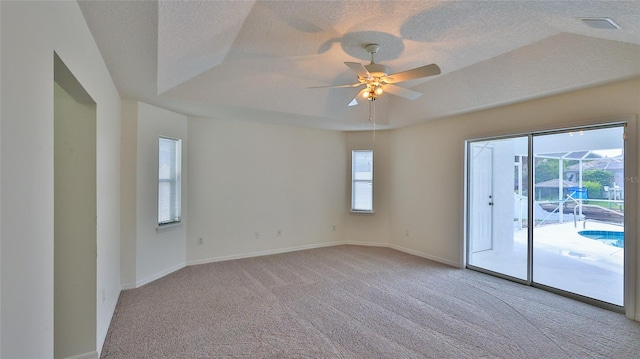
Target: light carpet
[356,302]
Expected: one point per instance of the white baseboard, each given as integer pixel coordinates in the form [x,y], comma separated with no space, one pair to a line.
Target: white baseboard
[126,286]
[405,250]
[262,253]
[320,245]
[285,250]
[366,244]
[151,278]
[424,255]
[89,355]
[102,334]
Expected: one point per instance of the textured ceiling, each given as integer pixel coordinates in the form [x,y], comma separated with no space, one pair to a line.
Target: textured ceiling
[256,59]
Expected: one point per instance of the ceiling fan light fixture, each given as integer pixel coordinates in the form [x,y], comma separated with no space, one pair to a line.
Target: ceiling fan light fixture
[374,79]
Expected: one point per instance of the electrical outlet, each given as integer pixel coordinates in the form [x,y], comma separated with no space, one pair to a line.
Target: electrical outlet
[406,233]
[279,233]
[257,235]
[104,295]
[200,241]
[333,228]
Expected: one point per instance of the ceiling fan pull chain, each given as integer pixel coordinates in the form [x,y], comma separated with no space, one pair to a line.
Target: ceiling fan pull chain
[372,117]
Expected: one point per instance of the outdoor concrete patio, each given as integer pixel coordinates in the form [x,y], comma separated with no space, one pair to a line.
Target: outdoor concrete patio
[564,259]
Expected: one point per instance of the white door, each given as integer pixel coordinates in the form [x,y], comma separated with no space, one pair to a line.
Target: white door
[494,242]
[481,192]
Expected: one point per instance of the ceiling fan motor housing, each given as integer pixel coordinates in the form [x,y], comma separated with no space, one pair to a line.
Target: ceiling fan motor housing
[377,70]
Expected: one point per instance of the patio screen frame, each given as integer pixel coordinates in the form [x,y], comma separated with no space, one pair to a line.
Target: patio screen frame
[630,202]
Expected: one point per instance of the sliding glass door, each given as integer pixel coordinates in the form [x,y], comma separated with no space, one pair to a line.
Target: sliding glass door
[559,225]
[578,237]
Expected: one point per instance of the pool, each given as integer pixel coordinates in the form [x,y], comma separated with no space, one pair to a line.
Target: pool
[609,237]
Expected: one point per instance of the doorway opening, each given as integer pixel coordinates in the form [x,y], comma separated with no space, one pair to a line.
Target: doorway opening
[74,216]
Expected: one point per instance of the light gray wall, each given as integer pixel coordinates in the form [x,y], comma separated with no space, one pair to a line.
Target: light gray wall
[147,252]
[247,177]
[26,138]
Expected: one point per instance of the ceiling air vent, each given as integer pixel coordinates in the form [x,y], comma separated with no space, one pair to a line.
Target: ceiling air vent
[601,23]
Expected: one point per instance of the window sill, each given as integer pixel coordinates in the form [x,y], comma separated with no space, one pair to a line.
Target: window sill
[168,227]
[361,212]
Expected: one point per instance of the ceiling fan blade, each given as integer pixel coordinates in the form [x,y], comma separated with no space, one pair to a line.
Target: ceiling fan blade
[354,102]
[401,91]
[418,72]
[359,69]
[335,86]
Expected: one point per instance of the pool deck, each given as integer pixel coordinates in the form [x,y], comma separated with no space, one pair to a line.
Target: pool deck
[564,259]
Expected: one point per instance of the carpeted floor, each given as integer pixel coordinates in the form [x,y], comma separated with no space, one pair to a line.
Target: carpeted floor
[356,302]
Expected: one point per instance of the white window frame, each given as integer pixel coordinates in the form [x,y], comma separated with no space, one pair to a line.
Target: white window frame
[355,181]
[175,181]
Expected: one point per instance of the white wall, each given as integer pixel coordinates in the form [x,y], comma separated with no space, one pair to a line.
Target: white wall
[128,180]
[0,180]
[148,252]
[246,177]
[26,142]
[370,228]
[428,162]
[158,252]
[426,190]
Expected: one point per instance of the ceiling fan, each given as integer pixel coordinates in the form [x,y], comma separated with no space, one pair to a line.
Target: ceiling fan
[375,78]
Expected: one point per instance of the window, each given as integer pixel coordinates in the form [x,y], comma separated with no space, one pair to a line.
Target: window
[362,181]
[169,187]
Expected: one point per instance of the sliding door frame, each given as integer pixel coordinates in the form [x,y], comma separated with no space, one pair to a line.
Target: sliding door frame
[630,201]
